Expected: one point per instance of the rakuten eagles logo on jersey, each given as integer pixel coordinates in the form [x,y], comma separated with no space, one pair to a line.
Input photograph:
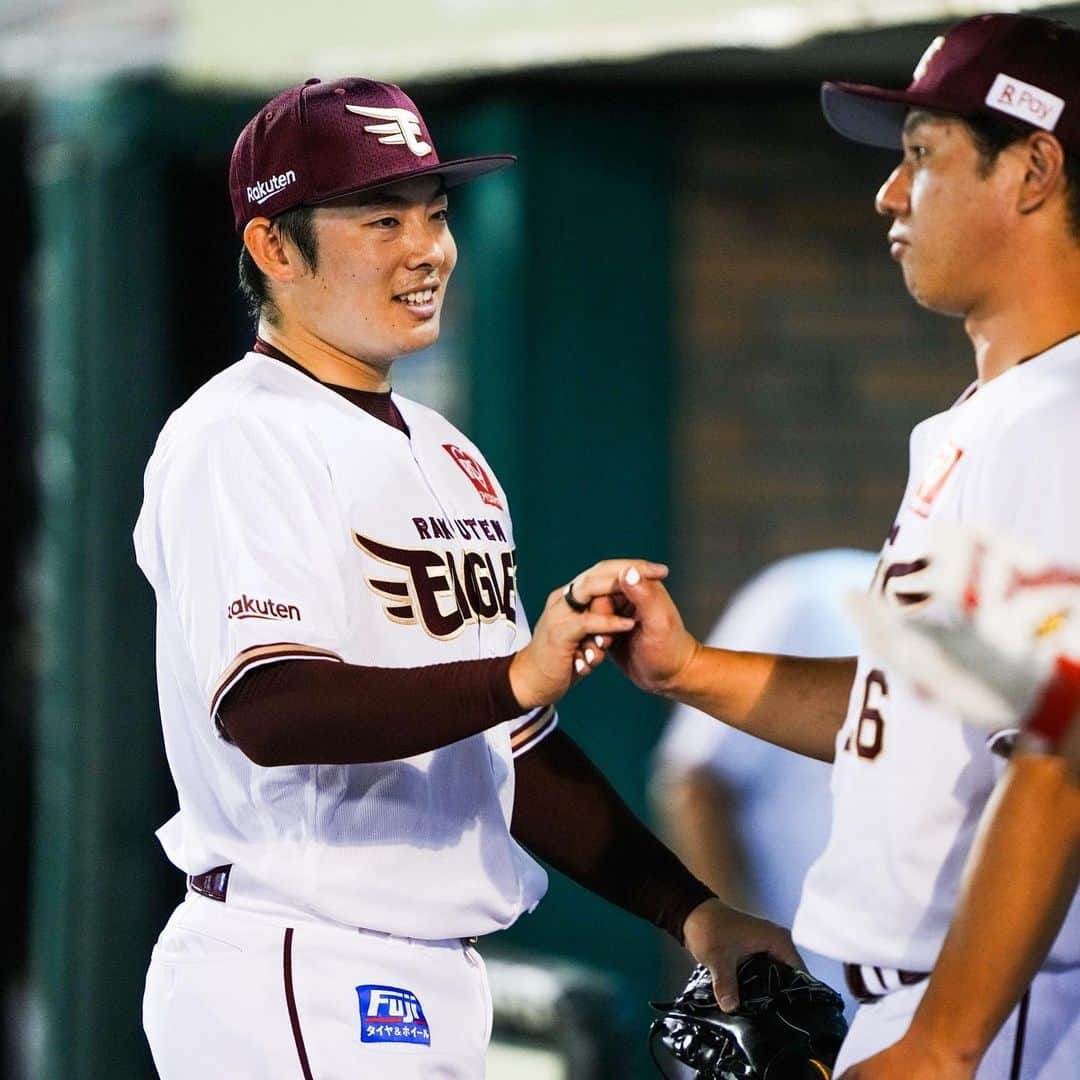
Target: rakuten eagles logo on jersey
[444,590]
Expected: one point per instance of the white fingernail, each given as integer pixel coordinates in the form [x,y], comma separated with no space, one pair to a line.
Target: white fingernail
[599,641]
[589,656]
[632,576]
[579,665]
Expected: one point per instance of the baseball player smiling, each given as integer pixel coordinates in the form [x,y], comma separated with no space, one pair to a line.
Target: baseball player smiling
[345,672]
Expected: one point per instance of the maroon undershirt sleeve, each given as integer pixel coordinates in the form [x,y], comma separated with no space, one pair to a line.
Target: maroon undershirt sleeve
[567,814]
[317,712]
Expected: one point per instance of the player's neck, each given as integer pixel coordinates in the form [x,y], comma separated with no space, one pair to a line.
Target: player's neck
[326,362]
[1033,313]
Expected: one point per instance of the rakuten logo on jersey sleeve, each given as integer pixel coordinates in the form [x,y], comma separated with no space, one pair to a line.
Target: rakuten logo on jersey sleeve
[272,610]
[389,1014]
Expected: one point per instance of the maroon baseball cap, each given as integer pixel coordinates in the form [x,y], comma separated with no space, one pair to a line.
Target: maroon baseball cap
[1022,69]
[316,142]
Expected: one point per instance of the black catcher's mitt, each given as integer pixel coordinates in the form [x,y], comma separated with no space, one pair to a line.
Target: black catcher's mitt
[788,1025]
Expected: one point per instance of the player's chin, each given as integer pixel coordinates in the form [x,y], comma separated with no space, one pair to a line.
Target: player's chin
[937,300]
[419,336]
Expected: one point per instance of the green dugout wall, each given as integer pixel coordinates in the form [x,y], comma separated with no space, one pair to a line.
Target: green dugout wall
[565,264]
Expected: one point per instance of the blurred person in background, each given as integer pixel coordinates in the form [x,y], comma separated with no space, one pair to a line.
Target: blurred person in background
[746,816]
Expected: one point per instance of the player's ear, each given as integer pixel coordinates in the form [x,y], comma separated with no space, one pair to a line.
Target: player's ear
[278,260]
[1044,163]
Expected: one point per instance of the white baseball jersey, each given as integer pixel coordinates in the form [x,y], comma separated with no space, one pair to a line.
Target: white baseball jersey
[280,521]
[910,780]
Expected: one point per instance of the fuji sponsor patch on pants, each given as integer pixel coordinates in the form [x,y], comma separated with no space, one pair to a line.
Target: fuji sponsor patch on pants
[389,1014]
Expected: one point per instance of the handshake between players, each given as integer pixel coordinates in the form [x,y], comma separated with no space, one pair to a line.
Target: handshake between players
[994,632]
[617,606]
[576,628]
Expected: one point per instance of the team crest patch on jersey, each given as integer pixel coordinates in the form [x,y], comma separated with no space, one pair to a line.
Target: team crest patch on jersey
[476,473]
[935,478]
[389,1014]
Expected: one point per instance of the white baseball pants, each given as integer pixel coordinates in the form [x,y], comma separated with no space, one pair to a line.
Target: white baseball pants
[238,994]
[1045,1046]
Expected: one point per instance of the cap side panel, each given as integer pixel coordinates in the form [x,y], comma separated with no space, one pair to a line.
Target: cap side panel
[305,155]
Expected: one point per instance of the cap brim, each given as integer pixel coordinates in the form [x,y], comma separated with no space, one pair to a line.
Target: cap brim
[873,115]
[453,173]
[461,170]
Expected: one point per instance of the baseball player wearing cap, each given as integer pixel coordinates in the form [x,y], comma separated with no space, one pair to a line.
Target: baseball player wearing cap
[345,672]
[985,225]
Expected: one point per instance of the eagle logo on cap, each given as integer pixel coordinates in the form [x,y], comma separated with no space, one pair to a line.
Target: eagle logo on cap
[924,61]
[402,128]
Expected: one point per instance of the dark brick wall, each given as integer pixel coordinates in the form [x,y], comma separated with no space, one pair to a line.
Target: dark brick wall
[803,362]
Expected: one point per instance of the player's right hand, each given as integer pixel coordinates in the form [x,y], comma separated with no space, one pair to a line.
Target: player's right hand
[542,672]
[656,654]
[720,936]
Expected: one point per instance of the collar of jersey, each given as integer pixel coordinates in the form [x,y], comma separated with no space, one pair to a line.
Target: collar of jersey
[293,381]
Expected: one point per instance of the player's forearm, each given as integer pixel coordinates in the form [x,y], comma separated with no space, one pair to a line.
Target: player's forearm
[1021,878]
[794,702]
[305,712]
[568,815]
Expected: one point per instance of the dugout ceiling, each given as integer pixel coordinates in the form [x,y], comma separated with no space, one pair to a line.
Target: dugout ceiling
[206,42]
[442,38]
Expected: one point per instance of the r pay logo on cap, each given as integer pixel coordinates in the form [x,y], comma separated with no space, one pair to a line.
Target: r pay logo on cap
[402,127]
[389,1014]
[1025,102]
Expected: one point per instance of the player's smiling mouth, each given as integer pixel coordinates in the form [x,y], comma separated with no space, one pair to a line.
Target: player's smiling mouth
[418,297]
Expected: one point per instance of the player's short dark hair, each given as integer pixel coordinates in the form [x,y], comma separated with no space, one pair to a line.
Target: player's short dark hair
[297,225]
[991,136]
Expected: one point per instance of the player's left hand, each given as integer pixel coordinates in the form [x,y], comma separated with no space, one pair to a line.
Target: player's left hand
[719,937]
[568,644]
[910,1061]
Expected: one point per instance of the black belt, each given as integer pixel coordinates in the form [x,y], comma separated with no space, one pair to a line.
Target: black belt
[853,976]
[213,884]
